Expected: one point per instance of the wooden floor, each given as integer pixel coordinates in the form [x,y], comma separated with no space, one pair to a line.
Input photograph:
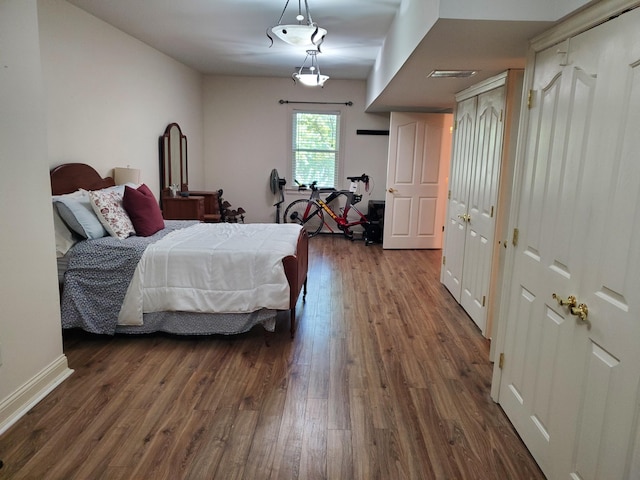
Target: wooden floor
[387,378]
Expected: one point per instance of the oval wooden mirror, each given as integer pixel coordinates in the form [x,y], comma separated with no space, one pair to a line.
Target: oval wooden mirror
[173,159]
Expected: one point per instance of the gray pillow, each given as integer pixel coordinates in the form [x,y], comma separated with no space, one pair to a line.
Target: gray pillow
[77,213]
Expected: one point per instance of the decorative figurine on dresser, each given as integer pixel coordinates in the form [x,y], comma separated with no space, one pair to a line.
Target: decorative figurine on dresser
[176,200]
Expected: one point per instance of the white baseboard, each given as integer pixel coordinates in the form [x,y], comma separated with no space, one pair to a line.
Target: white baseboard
[28,395]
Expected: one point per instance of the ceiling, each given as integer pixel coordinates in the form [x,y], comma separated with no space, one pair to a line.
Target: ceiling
[228,37]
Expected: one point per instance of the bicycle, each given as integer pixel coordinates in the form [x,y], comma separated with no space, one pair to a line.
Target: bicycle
[310,212]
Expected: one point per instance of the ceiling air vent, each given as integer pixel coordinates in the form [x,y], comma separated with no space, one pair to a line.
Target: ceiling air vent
[452,73]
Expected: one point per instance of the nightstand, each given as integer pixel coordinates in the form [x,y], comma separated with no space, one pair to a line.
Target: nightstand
[183,208]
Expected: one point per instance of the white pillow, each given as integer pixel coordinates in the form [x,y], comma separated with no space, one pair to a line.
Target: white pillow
[64,237]
[107,204]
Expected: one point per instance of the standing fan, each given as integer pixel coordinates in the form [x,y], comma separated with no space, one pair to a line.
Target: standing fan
[276,183]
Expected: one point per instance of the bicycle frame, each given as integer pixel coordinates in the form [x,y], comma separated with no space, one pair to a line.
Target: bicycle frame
[342,220]
[310,212]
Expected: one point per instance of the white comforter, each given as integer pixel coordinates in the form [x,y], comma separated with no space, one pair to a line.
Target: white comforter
[219,268]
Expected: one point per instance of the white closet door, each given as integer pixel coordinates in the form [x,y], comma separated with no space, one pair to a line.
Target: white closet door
[483,196]
[461,166]
[571,386]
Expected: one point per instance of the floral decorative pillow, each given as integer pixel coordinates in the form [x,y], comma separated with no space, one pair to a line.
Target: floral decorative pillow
[108,207]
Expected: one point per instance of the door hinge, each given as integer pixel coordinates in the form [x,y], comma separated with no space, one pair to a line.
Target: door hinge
[530,99]
[449,195]
[491,211]
[501,361]
[484,300]
[516,233]
[455,124]
[501,111]
[443,228]
[444,260]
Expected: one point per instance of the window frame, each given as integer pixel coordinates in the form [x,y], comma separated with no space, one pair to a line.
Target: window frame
[340,144]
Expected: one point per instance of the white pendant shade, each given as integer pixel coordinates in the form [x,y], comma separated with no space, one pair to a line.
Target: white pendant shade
[311,79]
[310,76]
[300,35]
[304,33]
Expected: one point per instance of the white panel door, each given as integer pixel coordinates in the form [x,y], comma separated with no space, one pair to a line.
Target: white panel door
[538,331]
[570,386]
[419,149]
[483,197]
[456,226]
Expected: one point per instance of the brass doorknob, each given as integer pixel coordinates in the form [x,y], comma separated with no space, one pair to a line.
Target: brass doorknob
[571,301]
[392,190]
[580,311]
[464,217]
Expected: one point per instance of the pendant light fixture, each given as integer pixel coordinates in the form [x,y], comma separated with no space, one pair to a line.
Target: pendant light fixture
[310,76]
[304,33]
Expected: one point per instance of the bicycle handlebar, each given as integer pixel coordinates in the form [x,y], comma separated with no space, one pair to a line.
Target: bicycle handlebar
[302,186]
[362,178]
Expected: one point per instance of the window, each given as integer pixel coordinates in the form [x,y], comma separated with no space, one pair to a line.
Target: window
[315,144]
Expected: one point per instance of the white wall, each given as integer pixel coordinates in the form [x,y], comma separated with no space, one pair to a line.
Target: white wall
[72,89]
[412,22]
[110,96]
[30,335]
[540,10]
[416,18]
[247,135]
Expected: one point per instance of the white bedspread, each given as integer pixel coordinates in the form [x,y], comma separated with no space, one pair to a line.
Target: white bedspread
[209,267]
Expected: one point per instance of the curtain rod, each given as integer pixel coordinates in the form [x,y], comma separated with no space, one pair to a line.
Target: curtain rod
[349,103]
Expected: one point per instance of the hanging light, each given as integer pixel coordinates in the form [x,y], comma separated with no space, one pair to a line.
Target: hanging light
[305,32]
[310,76]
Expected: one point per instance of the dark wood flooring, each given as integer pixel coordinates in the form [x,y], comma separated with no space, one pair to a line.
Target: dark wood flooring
[387,378]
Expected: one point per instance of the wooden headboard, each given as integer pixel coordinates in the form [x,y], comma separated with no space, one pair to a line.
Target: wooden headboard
[69,177]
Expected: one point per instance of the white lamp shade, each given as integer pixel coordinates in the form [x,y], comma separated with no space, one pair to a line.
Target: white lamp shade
[299,35]
[311,79]
[126,175]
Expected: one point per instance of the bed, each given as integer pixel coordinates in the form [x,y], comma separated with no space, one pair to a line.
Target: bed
[102,273]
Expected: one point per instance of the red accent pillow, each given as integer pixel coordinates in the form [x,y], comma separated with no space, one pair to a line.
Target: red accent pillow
[143,209]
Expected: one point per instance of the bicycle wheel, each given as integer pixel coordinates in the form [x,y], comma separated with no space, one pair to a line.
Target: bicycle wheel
[306,213]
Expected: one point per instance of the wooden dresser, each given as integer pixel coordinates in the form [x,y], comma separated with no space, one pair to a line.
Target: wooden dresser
[183,208]
[199,205]
[211,205]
